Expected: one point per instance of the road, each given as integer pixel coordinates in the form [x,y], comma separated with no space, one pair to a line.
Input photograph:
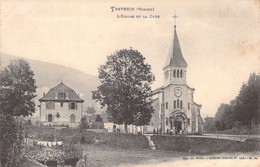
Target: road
[222,136]
[226,136]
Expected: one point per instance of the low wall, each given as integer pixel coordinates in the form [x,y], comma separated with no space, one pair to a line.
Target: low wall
[98,130]
[200,145]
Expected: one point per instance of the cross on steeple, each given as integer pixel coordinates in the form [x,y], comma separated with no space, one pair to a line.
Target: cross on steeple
[175,17]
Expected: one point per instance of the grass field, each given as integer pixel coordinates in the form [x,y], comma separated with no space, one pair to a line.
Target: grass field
[112,150]
[104,156]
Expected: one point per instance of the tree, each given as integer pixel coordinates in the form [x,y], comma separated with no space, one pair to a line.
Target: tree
[125,88]
[209,124]
[83,124]
[17,89]
[244,109]
[225,116]
[98,120]
[28,122]
[91,110]
[58,116]
[10,141]
[248,102]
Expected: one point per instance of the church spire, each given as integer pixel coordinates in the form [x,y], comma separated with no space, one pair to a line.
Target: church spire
[175,55]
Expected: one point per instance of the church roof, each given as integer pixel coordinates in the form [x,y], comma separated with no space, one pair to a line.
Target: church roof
[199,105]
[70,94]
[175,55]
[156,91]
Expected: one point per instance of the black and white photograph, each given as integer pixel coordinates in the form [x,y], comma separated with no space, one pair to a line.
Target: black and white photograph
[129,83]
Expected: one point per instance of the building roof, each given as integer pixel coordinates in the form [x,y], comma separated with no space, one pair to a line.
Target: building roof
[70,94]
[199,105]
[175,55]
[156,91]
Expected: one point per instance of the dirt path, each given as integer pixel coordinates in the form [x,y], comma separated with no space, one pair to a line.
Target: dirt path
[226,136]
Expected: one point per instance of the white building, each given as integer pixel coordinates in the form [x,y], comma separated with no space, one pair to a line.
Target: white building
[63,101]
[175,109]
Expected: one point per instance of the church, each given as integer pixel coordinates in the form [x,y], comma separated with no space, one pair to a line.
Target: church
[175,109]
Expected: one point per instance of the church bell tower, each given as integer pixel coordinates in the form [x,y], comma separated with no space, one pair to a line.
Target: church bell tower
[175,68]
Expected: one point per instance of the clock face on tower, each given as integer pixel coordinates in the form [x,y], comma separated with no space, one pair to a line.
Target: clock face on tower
[178,92]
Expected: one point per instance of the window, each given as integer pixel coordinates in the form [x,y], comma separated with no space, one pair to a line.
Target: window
[174,73]
[178,103]
[61,104]
[188,106]
[166,105]
[72,118]
[73,106]
[174,104]
[181,73]
[62,95]
[177,73]
[166,121]
[50,105]
[181,104]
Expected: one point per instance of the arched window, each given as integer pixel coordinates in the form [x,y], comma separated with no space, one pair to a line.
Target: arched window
[174,73]
[174,104]
[181,104]
[181,73]
[188,106]
[166,105]
[177,73]
[177,103]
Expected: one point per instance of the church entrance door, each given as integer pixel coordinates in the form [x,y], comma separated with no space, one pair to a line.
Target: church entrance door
[178,126]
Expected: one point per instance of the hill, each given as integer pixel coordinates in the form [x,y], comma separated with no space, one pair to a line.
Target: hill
[48,75]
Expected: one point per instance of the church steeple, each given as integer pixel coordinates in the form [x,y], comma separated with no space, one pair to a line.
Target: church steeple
[175,54]
[175,66]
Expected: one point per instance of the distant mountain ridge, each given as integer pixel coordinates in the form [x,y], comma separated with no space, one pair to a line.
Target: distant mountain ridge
[48,75]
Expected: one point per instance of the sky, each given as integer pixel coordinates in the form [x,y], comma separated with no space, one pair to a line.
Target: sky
[220,40]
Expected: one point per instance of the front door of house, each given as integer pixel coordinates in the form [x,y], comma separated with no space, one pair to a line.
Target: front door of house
[50,118]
